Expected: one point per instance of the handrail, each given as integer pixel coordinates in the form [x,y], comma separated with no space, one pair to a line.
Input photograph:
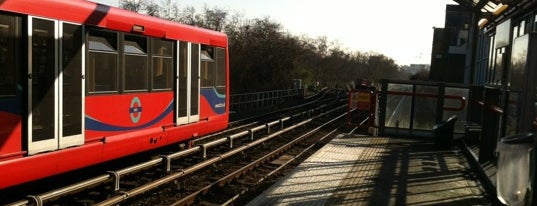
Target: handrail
[494,108]
[460,98]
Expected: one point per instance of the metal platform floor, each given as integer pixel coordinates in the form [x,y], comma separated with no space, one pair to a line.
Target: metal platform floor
[365,170]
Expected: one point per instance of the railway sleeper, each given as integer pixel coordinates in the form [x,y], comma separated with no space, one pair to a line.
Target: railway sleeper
[283,159]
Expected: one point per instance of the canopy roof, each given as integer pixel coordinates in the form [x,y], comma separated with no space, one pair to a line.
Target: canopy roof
[492,10]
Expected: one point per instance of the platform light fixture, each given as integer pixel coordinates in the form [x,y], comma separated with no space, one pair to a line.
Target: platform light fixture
[499,9]
[482,22]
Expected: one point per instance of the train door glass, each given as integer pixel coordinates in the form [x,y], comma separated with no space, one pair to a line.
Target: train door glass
[182,84]
[42,86]
[55,85]
[72,85]
[195,83]
[188,83]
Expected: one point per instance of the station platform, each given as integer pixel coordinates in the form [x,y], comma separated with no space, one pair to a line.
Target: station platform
[365,170]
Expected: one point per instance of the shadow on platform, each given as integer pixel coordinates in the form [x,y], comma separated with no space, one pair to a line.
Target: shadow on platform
[363,170]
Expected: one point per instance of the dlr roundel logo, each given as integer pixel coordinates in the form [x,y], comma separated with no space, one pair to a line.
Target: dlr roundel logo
[135,110]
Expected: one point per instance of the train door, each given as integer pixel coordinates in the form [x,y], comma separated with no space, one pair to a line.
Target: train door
[11,65]
[55,85]
[188,84]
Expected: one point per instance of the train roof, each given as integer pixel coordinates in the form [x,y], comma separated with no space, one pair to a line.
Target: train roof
[91,13]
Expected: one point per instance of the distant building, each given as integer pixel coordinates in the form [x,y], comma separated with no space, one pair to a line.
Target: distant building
[450,47]
[415,68]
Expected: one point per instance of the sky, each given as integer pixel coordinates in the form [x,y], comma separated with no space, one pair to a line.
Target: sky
[401,30]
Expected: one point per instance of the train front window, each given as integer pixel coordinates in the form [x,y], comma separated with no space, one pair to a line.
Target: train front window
[135,63]
[221,70]
[102,62]
[162,64]
[207,67]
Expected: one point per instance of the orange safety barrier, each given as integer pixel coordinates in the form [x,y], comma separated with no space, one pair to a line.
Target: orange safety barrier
[364,101]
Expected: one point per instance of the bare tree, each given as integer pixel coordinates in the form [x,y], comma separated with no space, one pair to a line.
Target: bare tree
[132,5]
[170,10]
[264,57]
[214,18]
[152,9]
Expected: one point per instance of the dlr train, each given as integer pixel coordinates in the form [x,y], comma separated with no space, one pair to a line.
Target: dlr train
[83,83]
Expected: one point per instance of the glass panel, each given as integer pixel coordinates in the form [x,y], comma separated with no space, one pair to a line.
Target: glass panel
[162,73]
[101,43]
[194,90]
[43,76]
[499,66]
[205,54]
[102,62]
[162,48]
[183,79]
[135,72]
[162,64]
[492,56]
[136,75]
[102,72]
[398,107]
[132,48]
[207,68]
[519,57]
[135,45]
[522,29]
[72,82]
[518,63]
[425,108]
[221,69]
[9,44]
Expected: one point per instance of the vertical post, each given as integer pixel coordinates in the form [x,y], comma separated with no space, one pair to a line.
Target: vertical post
[489,132]
[440,102]
[382,106]
[412,110]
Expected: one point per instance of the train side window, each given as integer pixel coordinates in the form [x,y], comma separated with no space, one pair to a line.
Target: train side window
[207,67]
[10,27]
[162,64]
[135,63]
[221,70]
[102,62]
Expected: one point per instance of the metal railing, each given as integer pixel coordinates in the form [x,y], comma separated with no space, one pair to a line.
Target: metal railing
[263,100]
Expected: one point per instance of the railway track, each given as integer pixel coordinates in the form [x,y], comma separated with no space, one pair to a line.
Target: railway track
[316,104]
[222,178]
[121,181]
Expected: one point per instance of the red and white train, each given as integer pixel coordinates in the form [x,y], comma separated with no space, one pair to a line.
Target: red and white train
[83,83]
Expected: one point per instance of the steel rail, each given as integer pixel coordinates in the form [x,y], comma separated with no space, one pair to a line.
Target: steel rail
[235,174]
[152,185]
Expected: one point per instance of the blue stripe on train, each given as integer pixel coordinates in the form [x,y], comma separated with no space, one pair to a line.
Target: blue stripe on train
[96,125]
[216,101]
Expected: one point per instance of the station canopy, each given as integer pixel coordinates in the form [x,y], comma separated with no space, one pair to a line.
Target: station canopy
[491,10]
